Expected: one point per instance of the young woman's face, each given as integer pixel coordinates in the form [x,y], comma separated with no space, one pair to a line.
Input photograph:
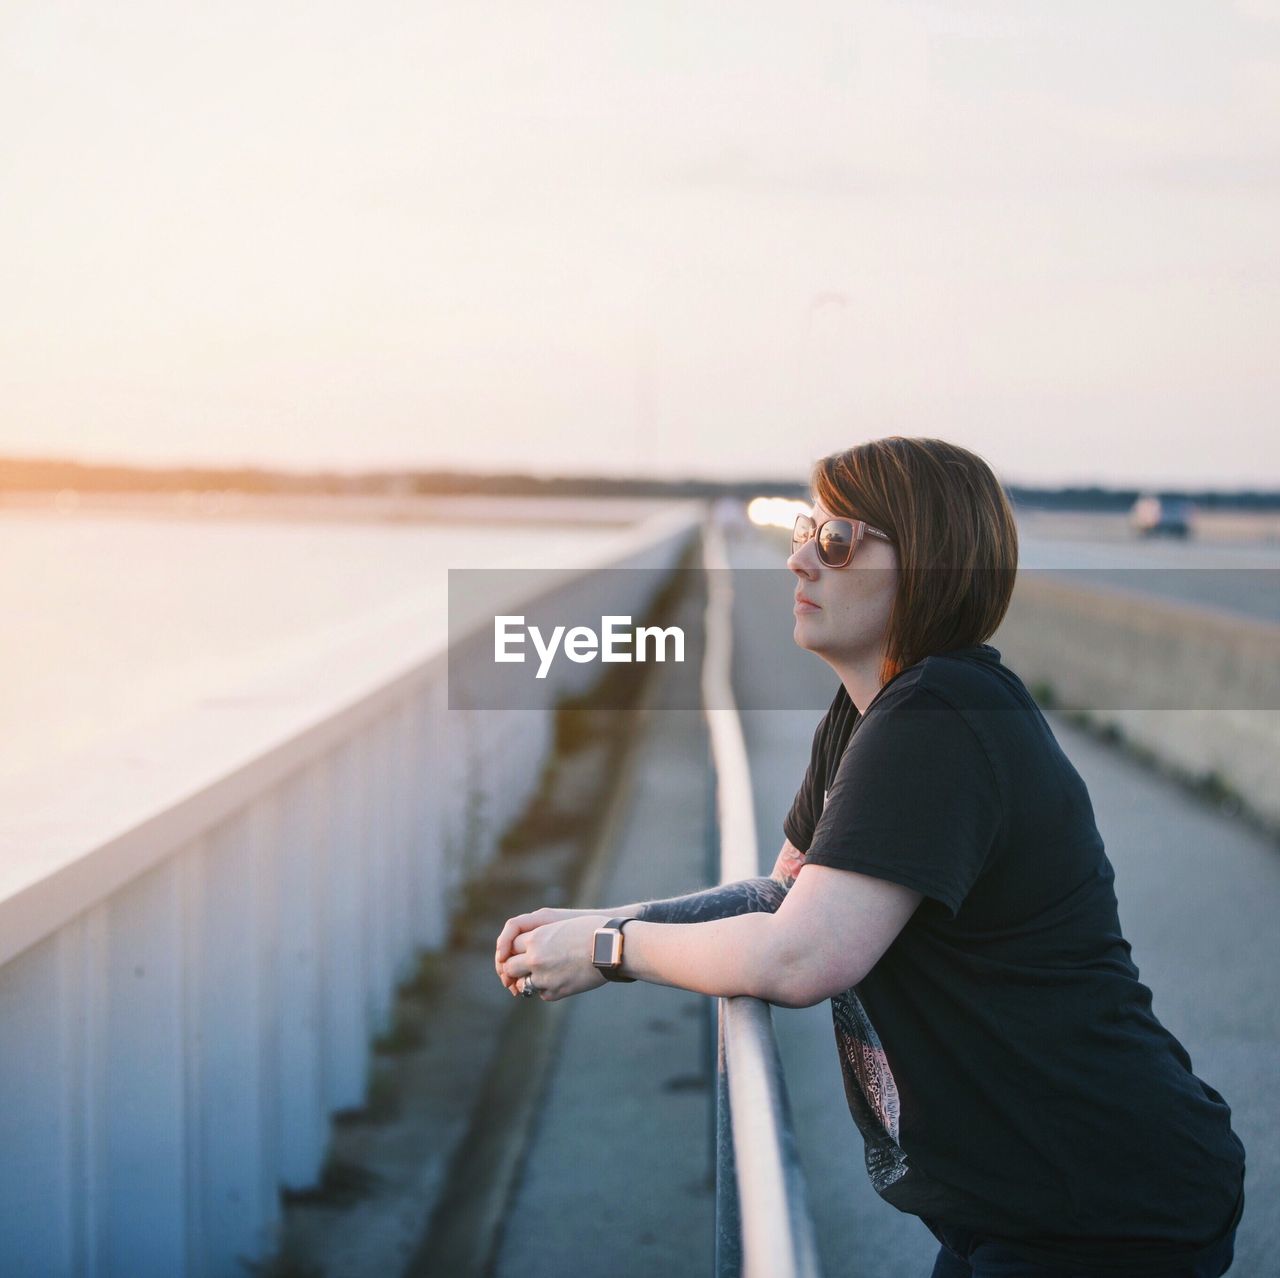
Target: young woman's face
[843,613]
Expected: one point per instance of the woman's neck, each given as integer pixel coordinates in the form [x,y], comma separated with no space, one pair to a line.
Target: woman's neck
[861,679]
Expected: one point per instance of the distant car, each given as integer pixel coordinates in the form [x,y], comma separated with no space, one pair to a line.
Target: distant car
[1154,516]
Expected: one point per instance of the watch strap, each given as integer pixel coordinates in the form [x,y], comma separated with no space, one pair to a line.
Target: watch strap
[607,972]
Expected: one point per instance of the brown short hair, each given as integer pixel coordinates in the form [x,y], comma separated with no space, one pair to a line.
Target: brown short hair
[954,531]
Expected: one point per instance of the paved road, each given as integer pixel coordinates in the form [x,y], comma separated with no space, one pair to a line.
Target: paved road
[1198,893]
[1234,577]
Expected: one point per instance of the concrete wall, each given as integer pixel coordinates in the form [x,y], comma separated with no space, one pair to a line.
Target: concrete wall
[201,931]
[1197,688]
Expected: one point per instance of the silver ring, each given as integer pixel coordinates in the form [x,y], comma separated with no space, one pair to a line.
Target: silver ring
[528,989]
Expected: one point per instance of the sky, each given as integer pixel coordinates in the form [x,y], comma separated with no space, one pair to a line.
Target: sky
[644,238]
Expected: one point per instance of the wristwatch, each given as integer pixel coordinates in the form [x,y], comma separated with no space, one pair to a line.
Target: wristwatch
[606,950]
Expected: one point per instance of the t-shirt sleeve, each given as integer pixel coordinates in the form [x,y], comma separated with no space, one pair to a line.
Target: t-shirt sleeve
[914,800]
[798,824]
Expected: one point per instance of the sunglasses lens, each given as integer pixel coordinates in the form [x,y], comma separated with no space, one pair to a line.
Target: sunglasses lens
[835,542]
[801,532]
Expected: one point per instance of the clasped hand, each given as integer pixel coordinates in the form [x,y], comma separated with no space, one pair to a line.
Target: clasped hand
[554,947]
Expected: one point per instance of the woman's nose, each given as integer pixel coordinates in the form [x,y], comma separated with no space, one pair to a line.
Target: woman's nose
[796,562]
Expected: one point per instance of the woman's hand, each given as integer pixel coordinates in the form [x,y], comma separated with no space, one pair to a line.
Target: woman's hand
[522,923]
[556,954]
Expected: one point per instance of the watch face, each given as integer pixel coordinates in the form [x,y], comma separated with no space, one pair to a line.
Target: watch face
[604,943]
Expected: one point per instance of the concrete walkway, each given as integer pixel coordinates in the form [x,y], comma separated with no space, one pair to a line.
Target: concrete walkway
[618,1175]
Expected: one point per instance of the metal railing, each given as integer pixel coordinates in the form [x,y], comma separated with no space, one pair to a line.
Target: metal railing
[763,1225]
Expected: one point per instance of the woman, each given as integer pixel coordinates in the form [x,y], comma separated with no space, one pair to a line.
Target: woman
[1001,1058]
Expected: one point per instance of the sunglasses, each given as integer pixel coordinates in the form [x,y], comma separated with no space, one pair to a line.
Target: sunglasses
[837,538]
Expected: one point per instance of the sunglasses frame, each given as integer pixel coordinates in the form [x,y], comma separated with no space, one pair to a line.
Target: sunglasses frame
[859,528]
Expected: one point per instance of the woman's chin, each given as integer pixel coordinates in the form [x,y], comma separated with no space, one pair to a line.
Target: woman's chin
[803,633]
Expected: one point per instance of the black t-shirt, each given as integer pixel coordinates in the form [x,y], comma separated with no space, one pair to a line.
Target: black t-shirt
[1002,1060]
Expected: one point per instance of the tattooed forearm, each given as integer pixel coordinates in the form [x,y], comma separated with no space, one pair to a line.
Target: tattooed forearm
[747,896]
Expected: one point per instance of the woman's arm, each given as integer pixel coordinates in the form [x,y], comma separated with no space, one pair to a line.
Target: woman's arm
[828,935]
[763,894]
[722,957]
[746,896]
